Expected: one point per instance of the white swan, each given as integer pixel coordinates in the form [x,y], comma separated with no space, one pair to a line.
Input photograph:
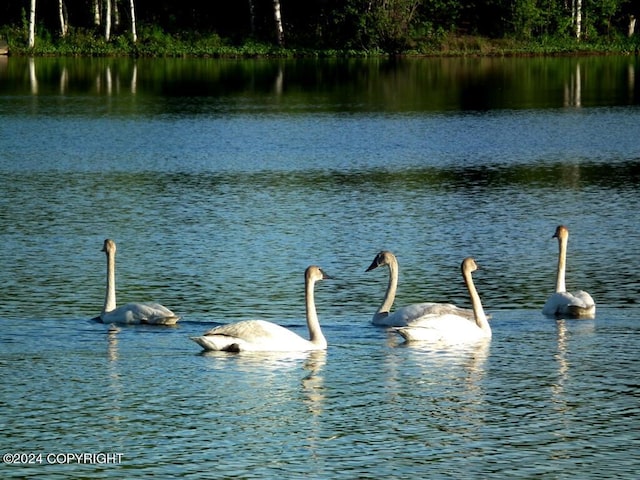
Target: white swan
[263,336]
[562,303]
[411,313]
[149,313]
[449,327]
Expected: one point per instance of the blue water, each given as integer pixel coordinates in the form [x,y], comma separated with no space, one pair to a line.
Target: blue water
[217,208]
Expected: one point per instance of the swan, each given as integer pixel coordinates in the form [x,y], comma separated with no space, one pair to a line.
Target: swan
[132,313]
[411,313]
[562,303]
[448,326]
[263,336]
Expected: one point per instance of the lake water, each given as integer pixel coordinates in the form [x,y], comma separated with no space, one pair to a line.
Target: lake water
[221,181]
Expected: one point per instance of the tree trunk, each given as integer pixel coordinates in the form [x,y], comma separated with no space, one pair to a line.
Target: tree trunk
[278,19]
[63,18]
[134,35]
[632,25]
[32,24]
[107,20]
[252,17]
[578,19]
[96,12]
[116,14]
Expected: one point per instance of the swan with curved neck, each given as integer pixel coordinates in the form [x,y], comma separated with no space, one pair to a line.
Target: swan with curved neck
[132,313]
[411,313]
[263,336]
[449,327]
[563,303]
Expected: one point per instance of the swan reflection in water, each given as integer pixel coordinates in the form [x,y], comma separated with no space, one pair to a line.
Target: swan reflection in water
[115,382]
[562,403]
[313,382]
[448,381]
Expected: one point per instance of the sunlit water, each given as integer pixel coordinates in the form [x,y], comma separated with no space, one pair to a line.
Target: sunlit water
[219,200]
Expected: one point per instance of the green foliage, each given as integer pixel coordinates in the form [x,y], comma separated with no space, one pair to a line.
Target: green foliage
[354,28]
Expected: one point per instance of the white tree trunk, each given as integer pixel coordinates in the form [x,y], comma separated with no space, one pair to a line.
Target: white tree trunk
[632,25]
[63,19]
[578,19]
[107,20]
[134,35]
[32,24]
[278,18]
[116,14]
[96,12]
[252,17]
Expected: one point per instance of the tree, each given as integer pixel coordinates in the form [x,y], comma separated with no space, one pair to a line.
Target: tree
[278,18]
[577,17]
[107,20]
[32,25]
[252,17]
[134,36]
[96,12]
[62,13]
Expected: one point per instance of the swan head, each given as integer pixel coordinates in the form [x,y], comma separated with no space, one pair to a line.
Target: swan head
[561,233]
[109,246]
[469,265]
[385,257]
[315,273]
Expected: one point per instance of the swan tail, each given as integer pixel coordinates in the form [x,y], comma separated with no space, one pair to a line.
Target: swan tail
[579,311]
[161,320]
[217,343]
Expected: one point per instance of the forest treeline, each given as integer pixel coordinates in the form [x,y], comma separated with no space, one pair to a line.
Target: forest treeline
[160,27]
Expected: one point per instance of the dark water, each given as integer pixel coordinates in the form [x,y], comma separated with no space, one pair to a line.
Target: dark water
[222,180]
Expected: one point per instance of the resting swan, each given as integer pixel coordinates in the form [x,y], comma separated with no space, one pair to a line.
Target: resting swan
[562,303]
[263,336]
[448,326]
[411,313]
[131,313]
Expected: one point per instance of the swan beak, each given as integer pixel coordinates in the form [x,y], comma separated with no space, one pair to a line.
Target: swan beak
[325,276]
[373,265]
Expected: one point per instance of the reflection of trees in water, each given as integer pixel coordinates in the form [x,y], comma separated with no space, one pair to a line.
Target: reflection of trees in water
[399,85]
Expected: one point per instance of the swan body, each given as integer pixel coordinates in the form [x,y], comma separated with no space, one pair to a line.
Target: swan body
[447,326]
[131,313]
[563,303]
[412,313]
[263,336]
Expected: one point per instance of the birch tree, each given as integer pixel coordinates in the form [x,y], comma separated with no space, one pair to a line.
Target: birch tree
[32,25]
[252,17]
[278,18]
[577,18]
[134,36]
[62,14]
[107,20]
[96,12]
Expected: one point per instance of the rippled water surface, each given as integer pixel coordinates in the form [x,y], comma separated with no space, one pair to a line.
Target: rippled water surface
[220,183]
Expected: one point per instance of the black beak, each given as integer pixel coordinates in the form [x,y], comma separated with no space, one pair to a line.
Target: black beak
[373,265]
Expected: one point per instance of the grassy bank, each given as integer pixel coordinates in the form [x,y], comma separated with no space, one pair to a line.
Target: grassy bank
[155,43]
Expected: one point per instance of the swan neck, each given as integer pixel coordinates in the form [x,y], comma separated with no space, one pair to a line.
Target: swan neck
[315,333]
[562,264]
[110,294]
[392,287]
[476,303]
